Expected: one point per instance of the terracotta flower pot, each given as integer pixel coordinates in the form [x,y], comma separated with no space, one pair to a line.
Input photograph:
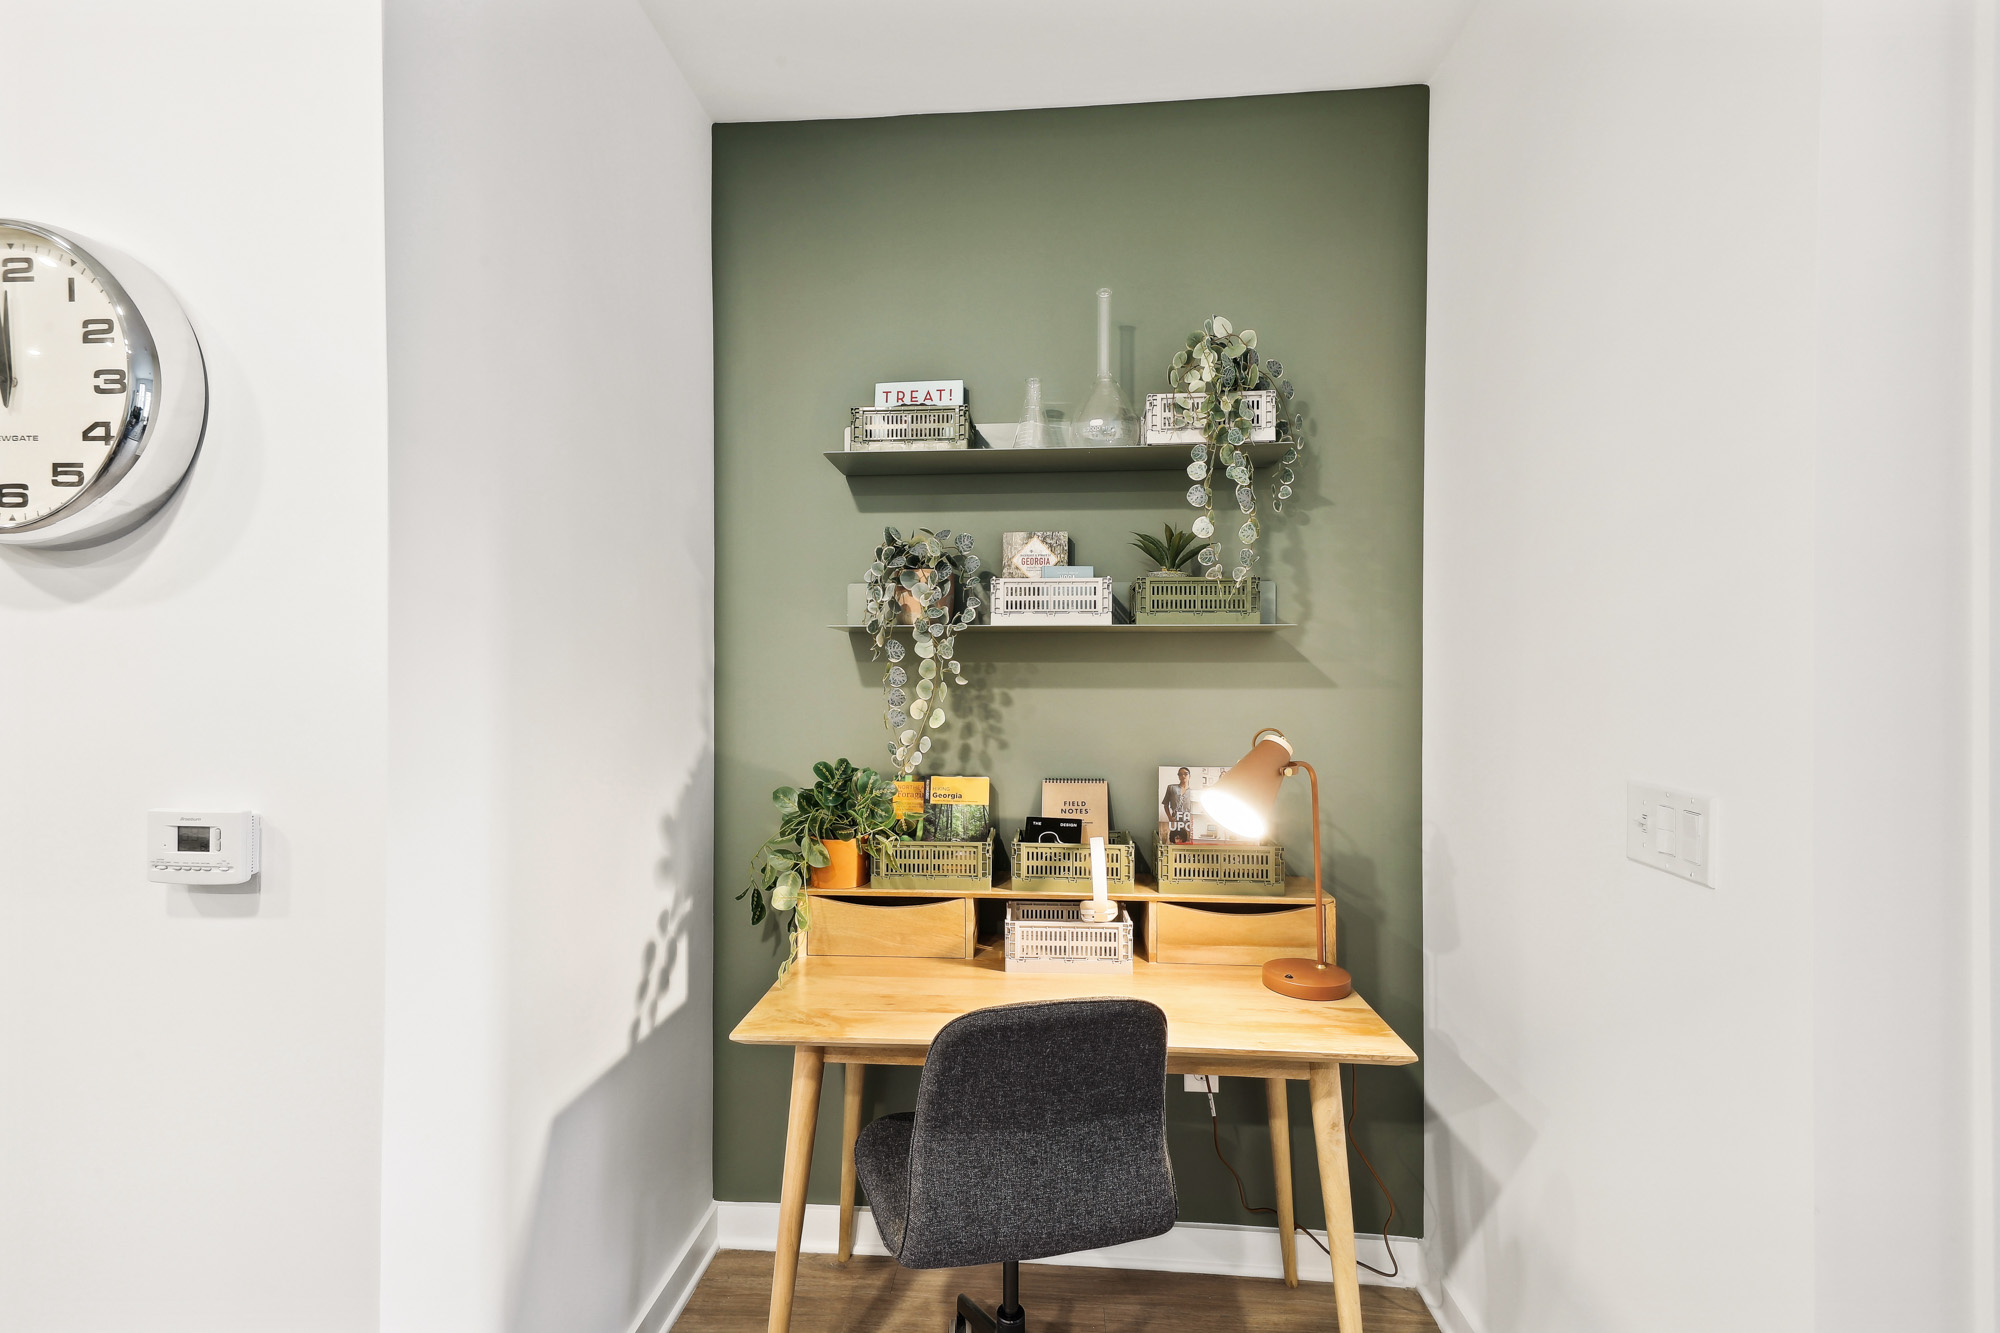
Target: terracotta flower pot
[910,609]
[846,865]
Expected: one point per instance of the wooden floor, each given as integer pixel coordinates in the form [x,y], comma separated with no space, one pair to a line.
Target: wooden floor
[870,1294]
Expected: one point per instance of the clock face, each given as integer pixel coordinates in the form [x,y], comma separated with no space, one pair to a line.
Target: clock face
[68,384]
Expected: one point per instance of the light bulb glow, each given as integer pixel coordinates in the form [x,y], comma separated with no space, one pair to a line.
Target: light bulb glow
[1234,813]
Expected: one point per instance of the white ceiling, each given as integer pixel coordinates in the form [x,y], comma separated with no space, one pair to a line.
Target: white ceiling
[813,59]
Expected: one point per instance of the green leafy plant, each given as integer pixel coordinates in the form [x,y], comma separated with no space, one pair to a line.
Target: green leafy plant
[1172,553]
[1218,367]
[924,575]
[843,802]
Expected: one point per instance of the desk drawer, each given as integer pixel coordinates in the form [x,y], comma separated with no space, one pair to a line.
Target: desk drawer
[1239,933]
[890,928]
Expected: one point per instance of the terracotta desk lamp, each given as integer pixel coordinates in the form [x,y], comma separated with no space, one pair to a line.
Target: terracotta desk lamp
[1243,802]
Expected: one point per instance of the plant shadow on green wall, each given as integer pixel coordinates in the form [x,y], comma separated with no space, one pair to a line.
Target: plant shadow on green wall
[833,272]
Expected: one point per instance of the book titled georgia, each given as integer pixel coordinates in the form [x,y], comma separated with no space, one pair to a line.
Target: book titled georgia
[958,809]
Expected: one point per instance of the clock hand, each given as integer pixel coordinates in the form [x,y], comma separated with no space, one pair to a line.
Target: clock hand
[6,351]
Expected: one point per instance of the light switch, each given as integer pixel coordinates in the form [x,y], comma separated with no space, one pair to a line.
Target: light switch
[1671,830]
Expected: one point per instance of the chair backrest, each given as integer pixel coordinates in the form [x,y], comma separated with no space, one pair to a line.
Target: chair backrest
[1041,1129]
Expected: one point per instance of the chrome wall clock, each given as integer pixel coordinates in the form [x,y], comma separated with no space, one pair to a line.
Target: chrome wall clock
[103,394]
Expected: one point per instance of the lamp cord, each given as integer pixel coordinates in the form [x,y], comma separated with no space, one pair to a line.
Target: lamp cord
[1242,1197]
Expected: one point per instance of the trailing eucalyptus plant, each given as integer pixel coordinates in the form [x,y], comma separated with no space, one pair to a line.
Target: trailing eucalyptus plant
[1219,366]
[843,802]
[923,575]
[1172,552]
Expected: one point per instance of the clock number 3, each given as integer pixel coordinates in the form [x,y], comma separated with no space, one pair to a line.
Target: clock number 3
[97,330]
[109,381]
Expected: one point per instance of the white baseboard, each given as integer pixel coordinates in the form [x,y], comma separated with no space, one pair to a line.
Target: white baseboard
[681,1276]
[1191,1247]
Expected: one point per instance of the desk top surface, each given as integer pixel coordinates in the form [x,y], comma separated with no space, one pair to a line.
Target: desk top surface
[1215,1011]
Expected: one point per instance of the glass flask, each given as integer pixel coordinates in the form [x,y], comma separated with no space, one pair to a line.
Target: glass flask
[1105,419]
[1033,430]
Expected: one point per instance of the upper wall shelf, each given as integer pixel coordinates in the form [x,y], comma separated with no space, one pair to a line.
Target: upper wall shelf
[972,462]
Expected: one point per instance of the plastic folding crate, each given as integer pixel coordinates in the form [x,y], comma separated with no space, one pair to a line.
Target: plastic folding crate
[1163,599]
[1053,937]
[936,867]
[1050,601]
[1064,867]
[1247,869]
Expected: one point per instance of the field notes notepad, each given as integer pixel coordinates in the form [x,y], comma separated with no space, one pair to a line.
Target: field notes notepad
[1087,799]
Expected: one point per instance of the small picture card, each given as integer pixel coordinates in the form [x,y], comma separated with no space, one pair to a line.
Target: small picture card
[1182,819]
[921,393]
[1023,555]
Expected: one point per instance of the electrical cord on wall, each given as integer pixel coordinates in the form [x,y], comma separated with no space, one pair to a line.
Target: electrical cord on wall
[1353,1109]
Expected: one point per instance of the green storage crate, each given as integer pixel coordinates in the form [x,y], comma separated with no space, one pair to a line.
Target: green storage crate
[1221,870]
[936,867]
[1064,867]
[1162,599]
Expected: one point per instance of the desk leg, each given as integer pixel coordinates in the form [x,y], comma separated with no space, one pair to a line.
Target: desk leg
[850,1129]
[808,1063]
[1281,1166]
[1330,1137]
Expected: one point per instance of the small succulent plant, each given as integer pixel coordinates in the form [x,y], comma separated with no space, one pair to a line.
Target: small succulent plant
[924,575]
[1218,366]
[1172,552]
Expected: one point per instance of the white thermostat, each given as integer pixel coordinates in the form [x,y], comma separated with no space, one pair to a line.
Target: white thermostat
[201,848]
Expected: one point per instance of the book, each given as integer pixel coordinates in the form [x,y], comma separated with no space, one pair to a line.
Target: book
[910,800]
[958,809]
[1024,554]
[1046,828]
[1182,820]
[1085,799]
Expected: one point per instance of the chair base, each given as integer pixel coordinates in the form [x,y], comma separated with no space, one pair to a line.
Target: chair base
[972,1317]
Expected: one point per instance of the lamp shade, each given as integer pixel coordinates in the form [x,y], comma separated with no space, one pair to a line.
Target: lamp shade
[1244,800]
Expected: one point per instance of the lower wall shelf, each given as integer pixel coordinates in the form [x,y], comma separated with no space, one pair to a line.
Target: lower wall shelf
[1102,629]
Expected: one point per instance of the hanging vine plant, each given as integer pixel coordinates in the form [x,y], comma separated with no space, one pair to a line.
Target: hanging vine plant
[1218,367]
[916,582]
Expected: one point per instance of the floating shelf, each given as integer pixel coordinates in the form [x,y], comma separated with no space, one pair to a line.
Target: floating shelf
[1100,629]
[1298,891]
[972,462]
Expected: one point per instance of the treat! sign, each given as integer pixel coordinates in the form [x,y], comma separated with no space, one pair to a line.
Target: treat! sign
[921,393]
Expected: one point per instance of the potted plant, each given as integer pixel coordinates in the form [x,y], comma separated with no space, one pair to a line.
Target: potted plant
[1218,366]
[918,582]
[825,835]
[1171,595]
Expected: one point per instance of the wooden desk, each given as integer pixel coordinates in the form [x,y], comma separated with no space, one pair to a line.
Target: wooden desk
[1220,1020]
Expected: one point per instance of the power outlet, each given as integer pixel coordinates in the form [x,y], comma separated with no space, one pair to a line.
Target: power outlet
[1671,830]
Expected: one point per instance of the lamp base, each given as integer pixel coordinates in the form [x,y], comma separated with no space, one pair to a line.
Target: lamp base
[1307,979]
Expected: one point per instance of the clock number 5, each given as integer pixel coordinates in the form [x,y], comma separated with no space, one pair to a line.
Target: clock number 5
[97,330]
[65,474]
[17,268]
[14,495]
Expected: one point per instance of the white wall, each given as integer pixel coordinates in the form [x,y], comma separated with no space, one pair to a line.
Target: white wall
[547,1156]
[190,1081]
[1696,513]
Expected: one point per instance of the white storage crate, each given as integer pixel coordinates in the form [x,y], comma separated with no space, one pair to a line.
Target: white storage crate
[1051,601]
[1161,428]
[1054,937]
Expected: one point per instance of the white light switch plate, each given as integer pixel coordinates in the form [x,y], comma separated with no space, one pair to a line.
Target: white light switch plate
[1671,830]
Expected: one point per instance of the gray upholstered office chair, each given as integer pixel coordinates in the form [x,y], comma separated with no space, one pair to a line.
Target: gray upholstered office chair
[1040,1129]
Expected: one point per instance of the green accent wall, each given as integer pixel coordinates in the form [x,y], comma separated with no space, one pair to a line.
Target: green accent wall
[971,247]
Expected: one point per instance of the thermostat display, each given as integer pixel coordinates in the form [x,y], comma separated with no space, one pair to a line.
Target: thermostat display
[185,847]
